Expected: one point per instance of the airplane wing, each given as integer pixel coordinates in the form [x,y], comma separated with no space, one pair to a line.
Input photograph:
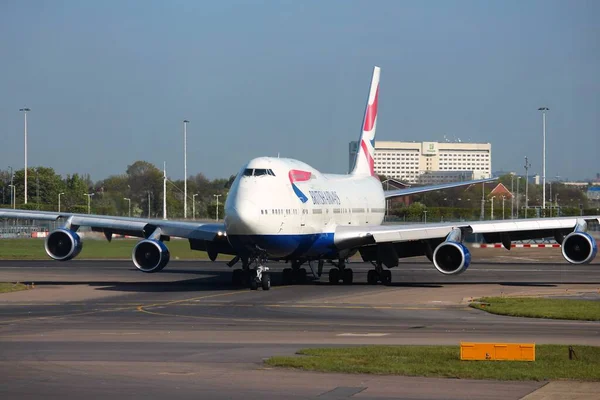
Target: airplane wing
[423,189]
[442,242]
[210,237]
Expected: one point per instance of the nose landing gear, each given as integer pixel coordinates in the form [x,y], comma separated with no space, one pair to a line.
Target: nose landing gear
[253,277]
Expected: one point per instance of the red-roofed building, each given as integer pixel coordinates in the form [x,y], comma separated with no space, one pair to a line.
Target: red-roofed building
[501,190]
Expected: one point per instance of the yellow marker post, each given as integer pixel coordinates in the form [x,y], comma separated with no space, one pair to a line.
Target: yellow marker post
[497,351]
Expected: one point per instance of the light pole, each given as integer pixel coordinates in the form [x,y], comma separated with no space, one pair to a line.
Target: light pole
[217,196]
[12,200]
[482,216]
[129,206]
[185,122]
[59,201]
[25,110]
[194,206]
[89,196]
[518,180]
[543,110]
[527,165]
[503,206]
[492,208]
[512,196]
[13,196]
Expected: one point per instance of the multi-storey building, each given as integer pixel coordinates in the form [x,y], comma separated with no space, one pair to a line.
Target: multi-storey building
[430,162]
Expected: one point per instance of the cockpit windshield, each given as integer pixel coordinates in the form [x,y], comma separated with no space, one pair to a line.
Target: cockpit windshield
[258,172]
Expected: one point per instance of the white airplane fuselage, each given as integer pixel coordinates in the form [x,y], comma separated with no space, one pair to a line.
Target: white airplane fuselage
[284,208]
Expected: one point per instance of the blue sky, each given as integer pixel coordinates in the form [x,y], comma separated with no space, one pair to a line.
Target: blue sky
[110,82]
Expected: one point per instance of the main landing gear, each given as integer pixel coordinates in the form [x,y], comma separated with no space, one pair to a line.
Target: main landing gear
[379,275]
[253,277]
[341,272]
[295,274]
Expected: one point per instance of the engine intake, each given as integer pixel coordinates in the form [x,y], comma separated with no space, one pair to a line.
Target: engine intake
[579,248]
[63,244]
[451,258]
[150,255]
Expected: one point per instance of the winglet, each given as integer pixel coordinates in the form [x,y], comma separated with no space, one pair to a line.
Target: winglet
[365,164]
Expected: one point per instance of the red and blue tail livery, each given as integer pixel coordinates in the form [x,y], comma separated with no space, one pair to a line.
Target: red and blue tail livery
[365,164]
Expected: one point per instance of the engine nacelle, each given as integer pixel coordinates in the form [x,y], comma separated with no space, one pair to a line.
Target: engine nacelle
[579,248]
[63,244]
[150,255]
[451,258]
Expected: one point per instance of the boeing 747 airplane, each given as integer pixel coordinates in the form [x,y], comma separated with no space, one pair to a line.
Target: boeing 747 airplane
[285,210]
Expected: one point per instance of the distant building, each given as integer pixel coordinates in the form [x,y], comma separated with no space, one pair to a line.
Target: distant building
[430,162]
[593,193]
[500,191]
[435,177]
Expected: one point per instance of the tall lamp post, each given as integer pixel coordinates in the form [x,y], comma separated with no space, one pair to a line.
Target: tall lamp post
[543,110]
[185,122]
[527,165]
[12,194]
[482,217]
[25,110]
[194,206]
[492,208]
[217,196]
[518,180]
[503,206]
[512,196]
[89,196]
[129,205]
[60,194]
[13,197]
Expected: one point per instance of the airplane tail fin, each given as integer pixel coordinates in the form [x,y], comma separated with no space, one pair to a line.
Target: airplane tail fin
[364,163]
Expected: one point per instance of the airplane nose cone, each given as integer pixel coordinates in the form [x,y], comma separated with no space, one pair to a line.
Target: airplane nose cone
[242,218]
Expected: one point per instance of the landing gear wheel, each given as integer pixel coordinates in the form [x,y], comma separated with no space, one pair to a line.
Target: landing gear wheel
[347,276]
[265,281]
[386,277]
[334,276]
[372,277]
[253,280]
[253,284]
[301,275]
[287,276]
[237,277]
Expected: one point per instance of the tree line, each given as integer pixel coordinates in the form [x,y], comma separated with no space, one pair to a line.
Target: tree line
[464,203]
[142,184]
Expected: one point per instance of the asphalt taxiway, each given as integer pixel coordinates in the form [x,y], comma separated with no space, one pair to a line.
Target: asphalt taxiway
[103,329]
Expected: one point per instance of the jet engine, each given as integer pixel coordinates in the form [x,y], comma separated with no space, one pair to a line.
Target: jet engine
[579,248]
[451,258]
[63,244]
[150,255]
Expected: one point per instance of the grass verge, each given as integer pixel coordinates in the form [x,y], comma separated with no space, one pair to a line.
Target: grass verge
[552,363]
[6,287]
[534,307]
[33,249]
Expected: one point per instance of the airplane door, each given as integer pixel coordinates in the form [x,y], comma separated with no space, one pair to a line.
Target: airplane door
[303,214]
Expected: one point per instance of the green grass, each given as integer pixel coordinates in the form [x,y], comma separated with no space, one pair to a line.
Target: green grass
[552,363]
[586,310]
[6,287]
[33,249]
